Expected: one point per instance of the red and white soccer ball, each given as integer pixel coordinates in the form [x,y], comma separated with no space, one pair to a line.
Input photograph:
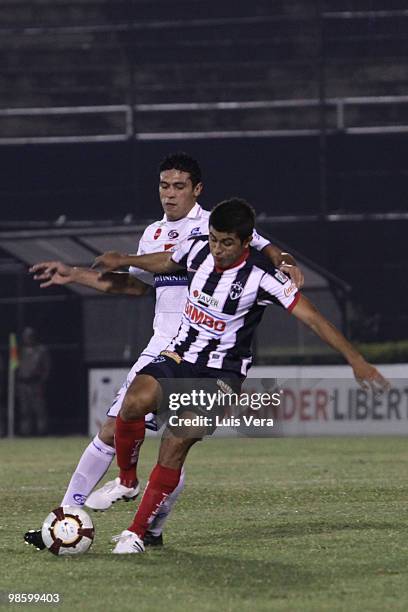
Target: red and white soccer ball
[68,530]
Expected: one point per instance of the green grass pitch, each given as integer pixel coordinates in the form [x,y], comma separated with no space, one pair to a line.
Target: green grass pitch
[279,524]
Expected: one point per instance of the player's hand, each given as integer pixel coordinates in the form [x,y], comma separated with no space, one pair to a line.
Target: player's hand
[368,377]
[52,273]
[295,274]
[109,261]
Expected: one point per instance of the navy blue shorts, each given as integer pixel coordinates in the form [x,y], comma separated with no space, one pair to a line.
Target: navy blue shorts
[179,378]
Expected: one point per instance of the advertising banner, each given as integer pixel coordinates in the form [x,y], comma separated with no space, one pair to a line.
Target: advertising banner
[274,401]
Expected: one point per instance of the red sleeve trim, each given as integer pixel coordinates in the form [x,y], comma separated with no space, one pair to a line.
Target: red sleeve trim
[295,301]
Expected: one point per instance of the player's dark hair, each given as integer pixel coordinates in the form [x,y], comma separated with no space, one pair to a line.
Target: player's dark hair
[233,216]
[183,162]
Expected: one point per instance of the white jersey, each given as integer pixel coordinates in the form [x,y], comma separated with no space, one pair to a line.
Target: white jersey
[172,289]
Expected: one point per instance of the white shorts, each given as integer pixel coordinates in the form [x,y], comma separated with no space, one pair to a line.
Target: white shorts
[151,351]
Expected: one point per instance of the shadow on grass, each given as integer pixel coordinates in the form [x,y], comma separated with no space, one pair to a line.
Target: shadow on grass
[242,576]
[188,570]
[258,533]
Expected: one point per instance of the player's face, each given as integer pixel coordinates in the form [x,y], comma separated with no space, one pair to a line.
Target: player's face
[226,247]
[177,193]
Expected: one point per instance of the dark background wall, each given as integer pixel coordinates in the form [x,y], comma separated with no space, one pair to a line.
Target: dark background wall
[280,177]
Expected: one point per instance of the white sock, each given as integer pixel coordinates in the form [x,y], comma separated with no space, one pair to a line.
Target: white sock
[93,464]
[157,525]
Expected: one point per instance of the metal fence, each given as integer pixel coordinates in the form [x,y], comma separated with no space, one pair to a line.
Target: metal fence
[123,127]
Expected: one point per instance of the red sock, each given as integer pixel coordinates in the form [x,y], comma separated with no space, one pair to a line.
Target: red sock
[162,482]
[129,436]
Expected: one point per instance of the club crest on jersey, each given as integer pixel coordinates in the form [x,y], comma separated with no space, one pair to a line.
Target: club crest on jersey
[173,234]
[157,233]
[204,299]
[195,231]
[236,290]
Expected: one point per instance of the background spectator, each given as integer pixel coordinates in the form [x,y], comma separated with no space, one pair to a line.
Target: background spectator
[32,376]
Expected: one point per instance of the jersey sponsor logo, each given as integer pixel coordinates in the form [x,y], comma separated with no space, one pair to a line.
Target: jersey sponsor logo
[169,247]
[236,290]
[172,355]
[170,280]
[195,231]
[172,234]
[157,233]
[281,277]
[204,299]
[289,290]
[198,316]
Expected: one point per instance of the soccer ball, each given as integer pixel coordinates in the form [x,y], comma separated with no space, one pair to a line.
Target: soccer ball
[68,530]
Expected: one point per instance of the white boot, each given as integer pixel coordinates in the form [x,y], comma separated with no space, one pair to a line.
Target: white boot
[111,492]
[127,542]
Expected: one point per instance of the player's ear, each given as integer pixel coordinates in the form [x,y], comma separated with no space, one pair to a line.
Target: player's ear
[198,189]
[247,241]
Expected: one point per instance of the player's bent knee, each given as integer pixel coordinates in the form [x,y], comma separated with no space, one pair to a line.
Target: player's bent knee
[107,432]
[134,406]
[141,398]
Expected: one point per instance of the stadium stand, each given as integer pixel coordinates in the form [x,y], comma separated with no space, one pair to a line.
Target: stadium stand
[105,53]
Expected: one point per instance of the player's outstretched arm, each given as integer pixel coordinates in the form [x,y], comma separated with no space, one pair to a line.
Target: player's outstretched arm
[366,374]
[285,262]
[153,262]
[57,273]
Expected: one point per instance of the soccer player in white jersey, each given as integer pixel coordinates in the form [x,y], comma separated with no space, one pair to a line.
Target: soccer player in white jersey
[230,285]
[180,186]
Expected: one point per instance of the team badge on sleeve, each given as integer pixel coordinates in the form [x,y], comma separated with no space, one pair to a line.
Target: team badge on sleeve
[289,290]
[281,277]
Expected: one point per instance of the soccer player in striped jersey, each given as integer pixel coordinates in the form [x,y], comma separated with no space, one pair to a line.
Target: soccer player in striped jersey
[180,185]
[230,285]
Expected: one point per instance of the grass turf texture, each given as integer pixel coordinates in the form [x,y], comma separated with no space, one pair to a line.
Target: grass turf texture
[281,524]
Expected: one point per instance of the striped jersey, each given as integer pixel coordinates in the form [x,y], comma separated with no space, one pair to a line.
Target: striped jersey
[171,289]
[223,308]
